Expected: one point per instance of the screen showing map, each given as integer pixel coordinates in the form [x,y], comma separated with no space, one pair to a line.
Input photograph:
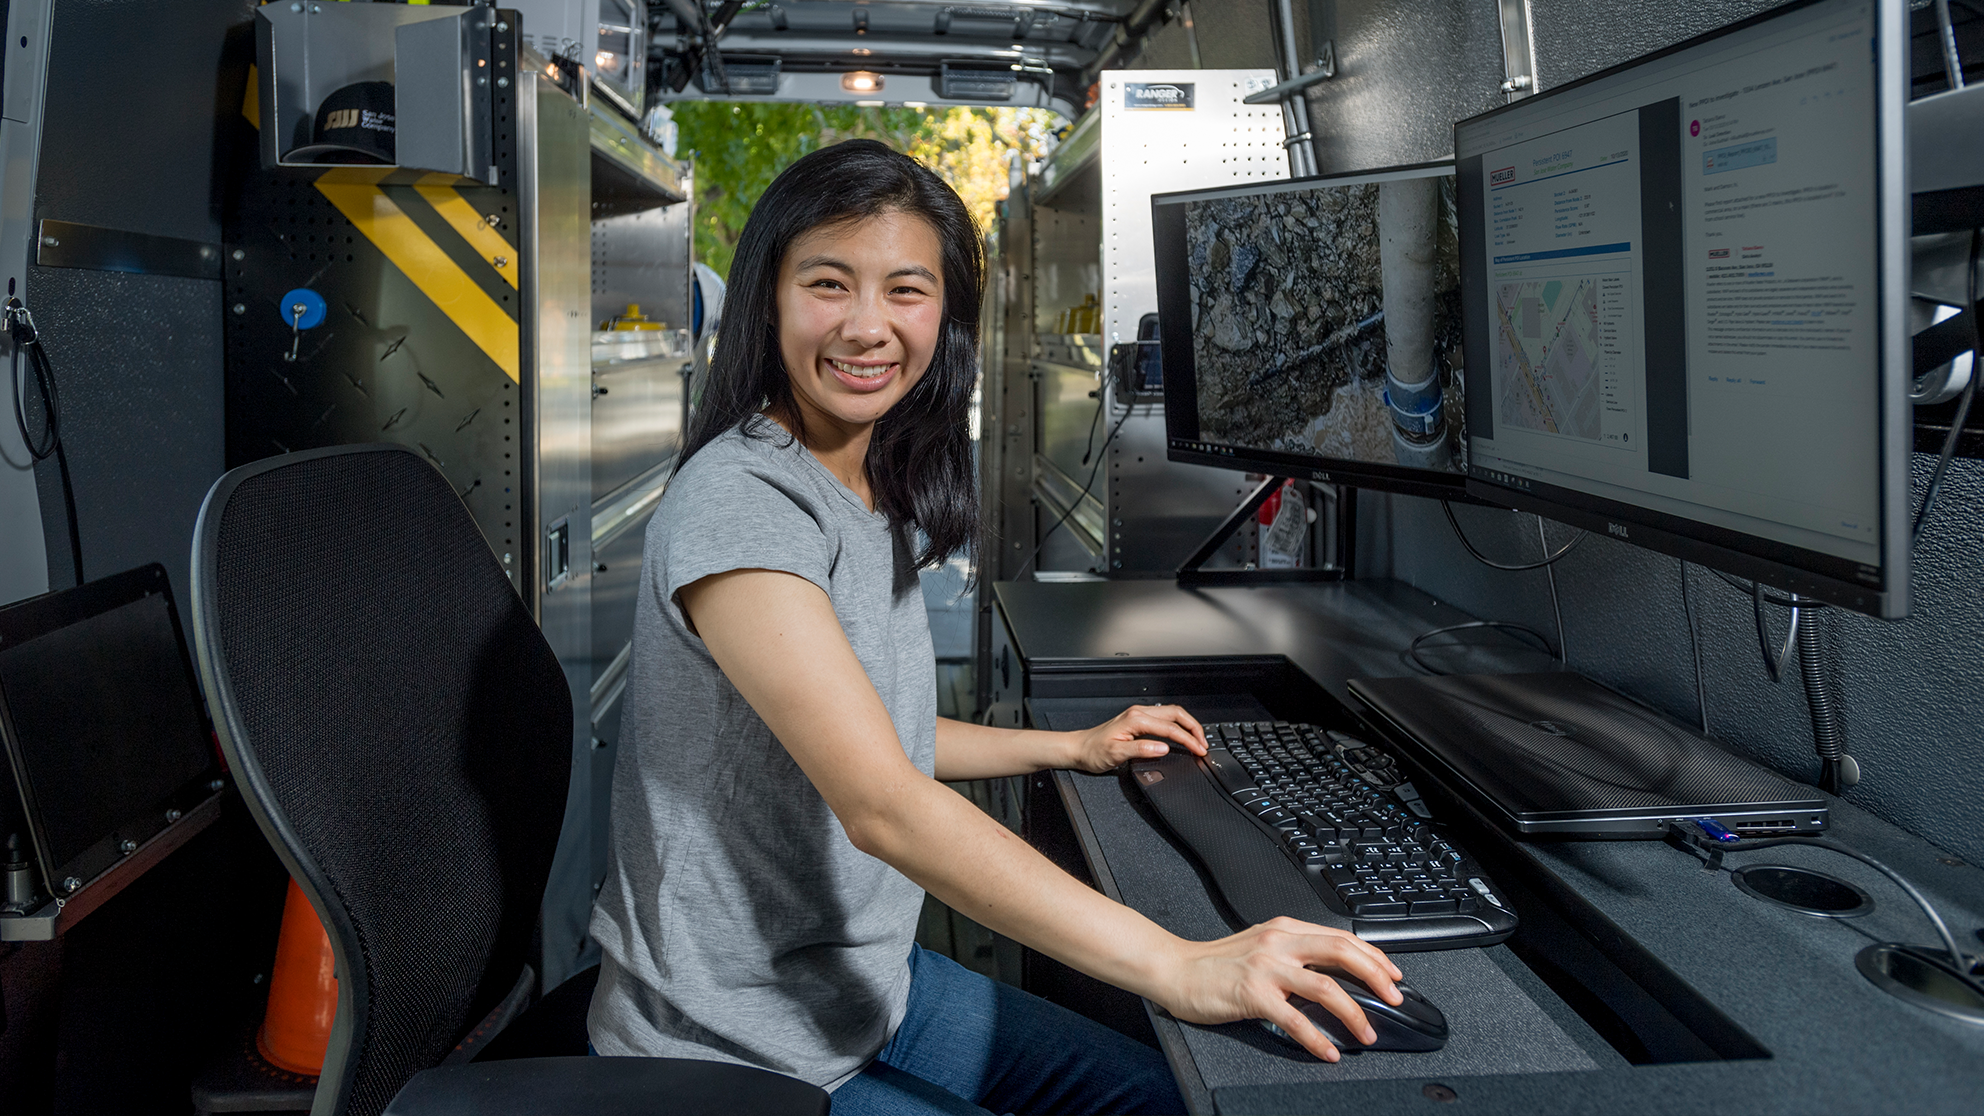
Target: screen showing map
[1326,320]
[1673,279]
[1546,353]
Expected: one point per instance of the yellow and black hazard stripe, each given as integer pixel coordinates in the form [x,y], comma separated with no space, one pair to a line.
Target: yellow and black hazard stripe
[424,226]
[427,230]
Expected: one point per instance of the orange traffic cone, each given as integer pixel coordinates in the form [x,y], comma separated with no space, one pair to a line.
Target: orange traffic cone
[303,991]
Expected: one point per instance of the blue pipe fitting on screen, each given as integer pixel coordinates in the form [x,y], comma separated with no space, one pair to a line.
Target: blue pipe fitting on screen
[1413,398]
[1423,415]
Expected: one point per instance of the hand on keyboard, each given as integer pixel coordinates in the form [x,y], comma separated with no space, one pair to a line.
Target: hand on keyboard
[1250,975]
[1139,732]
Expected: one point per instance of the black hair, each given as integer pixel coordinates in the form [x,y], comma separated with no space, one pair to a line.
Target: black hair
[919,459]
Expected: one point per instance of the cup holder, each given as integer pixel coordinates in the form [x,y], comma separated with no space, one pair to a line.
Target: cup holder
[1922,976]
[1802,890]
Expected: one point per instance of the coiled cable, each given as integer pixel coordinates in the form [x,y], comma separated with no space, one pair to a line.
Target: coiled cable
[26,340]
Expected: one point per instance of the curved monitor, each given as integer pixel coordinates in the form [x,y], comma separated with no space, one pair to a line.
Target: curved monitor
[1312,328]
[1684,279]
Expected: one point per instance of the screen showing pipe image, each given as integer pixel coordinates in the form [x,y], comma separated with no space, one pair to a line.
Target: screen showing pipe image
[1324,325]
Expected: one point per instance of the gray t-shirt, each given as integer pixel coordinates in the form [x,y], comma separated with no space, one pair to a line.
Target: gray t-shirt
[737,921]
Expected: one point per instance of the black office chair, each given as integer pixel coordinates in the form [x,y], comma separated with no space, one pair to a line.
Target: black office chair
[402,733]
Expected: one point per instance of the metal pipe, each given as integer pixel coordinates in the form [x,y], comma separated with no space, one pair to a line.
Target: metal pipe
[1946,32]
[688,19]
[1409,261]
[799,46]
[1129,31]
[1295,110]
[1290,87]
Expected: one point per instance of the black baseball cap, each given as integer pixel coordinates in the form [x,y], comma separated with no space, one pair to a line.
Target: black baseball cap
[355,124]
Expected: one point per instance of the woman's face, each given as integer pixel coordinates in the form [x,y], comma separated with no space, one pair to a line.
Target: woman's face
[859,309]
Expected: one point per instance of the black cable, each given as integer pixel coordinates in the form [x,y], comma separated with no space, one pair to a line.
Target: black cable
[1412,649]
[1695,835]
[51,399]
[1550,572]
[1090,483]
[1773,664]
[20,326]
[1828,719]
[1695,644]
[69,508]
[1490,562]
[1969,390]
[1088,446]
[1750,588]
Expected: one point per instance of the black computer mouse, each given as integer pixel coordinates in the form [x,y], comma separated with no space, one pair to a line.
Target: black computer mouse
[1414,1026]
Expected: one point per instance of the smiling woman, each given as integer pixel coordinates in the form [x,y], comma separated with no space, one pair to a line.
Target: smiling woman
[859,308]
[777,807]
[860,205]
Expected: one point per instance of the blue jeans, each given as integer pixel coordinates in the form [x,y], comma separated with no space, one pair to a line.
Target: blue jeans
[969,1044]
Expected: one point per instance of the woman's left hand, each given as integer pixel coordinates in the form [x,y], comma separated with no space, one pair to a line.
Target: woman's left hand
[1129,735]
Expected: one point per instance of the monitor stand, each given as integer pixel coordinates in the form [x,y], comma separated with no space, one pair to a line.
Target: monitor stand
[1190,573]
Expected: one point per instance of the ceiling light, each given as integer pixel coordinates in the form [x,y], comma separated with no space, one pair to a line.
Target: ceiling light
[863,51]
[861,81]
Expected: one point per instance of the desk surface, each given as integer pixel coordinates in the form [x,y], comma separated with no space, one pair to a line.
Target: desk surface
[1836,1043]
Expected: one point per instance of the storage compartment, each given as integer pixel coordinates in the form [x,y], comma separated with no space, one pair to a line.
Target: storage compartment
[641,347]
[441,99]
[637,411]
[616,578]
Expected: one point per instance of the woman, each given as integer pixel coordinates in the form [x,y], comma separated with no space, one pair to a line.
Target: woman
[777,811]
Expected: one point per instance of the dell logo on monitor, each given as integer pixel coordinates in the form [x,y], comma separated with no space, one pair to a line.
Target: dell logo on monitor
[1618,529]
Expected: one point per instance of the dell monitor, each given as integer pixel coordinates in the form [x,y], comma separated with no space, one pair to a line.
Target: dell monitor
[1312,328]
[1683,290]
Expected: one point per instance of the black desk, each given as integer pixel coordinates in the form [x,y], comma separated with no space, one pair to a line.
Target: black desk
[1786,980]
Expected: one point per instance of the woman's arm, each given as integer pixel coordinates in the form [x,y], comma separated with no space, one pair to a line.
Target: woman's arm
[777,640]
[968,751]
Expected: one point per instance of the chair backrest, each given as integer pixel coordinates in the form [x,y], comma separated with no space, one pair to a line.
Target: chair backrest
[400,730]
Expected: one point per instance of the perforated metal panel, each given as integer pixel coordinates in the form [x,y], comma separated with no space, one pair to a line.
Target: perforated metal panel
[1145,151]
[1159,511]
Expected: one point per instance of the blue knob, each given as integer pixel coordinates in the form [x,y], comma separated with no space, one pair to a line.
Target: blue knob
[310,316]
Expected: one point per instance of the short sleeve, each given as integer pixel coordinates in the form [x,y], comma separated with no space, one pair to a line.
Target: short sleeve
[727,510]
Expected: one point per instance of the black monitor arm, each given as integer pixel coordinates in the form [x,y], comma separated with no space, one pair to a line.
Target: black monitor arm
[1190,573]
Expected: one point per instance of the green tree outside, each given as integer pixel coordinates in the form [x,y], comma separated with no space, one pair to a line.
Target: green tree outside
[739,148]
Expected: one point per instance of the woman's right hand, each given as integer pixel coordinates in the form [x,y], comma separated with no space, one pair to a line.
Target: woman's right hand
[1250,975]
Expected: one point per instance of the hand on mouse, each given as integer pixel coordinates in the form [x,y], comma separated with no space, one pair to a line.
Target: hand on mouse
[1124,737]
[1250,975]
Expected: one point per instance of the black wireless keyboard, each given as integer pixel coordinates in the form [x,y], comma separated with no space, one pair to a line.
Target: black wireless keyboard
[1314,824]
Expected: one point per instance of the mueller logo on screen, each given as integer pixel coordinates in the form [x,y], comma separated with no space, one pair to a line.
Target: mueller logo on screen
[1618,529]
[1718,253]
[1502,177]
[1157,95]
